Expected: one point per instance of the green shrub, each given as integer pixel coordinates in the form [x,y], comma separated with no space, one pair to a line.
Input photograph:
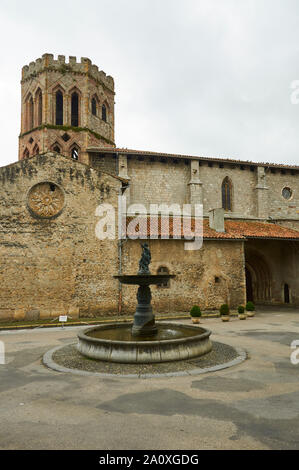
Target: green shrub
[195,311]
[224,309]
[241,309]
[250,306]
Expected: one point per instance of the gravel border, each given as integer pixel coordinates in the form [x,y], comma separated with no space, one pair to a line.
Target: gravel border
[51,364]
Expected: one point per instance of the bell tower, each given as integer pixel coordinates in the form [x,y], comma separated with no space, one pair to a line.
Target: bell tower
[66,107]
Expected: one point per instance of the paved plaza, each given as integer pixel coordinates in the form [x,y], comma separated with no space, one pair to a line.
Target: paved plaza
[253,405]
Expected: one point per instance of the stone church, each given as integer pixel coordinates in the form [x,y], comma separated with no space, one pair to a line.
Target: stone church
[52,263]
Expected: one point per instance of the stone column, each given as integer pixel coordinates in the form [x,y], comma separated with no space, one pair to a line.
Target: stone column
[195,185]
[123,173]
[262,194]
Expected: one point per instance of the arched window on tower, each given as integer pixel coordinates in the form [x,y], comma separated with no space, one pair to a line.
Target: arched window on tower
[59,108]
[75,109]
[26,153]
[75,152]
[227,194]
[39,101]
[104,113]
[94,106]
[56,148]
[35,150]
[31,113]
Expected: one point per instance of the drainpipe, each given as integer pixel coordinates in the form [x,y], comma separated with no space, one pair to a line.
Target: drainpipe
[121,241]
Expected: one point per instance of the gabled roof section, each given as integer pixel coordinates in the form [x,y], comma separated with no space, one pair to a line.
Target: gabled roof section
[234,230]
[56,155]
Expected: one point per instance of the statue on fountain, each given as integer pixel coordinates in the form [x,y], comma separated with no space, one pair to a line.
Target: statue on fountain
[145,259]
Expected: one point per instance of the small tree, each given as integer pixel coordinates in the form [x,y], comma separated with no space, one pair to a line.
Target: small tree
[224,309]
[250,306]
[241,309]
[195,311]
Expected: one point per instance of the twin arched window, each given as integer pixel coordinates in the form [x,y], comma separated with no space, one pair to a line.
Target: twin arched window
[33,110]
[29,113]
[226,191]
[59,109]
[94,107]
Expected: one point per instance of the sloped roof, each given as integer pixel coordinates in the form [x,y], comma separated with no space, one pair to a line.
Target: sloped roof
[188,157]
[234,230]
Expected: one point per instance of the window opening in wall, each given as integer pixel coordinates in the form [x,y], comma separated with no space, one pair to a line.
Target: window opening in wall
[65,137]
[75,110]
[226,194]
[75,153]
[165,283]
[287,193]
[59,109]
[31,114]
[94,106]
[39,108]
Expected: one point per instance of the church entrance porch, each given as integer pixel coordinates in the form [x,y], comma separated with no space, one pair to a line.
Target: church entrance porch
[272,272]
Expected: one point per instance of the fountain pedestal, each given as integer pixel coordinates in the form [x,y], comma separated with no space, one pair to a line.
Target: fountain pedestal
[144,319]
[144,342]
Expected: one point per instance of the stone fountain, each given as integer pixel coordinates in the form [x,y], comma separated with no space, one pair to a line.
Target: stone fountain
[145,341]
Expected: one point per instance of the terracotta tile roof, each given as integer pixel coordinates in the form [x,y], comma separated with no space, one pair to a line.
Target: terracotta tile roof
[261,230]
[187,157]
[234,230]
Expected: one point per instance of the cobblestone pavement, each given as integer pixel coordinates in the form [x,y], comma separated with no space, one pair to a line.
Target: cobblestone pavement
[254,405]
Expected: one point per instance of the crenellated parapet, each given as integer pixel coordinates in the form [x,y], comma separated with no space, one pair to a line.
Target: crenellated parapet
[66,107]
[84,67]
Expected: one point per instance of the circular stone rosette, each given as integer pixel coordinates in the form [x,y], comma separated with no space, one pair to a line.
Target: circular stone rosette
[45,200]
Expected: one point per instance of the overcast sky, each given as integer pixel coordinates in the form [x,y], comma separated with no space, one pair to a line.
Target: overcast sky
[196,77]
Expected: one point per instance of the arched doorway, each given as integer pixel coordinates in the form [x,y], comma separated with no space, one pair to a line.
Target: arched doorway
[286,294]
[258,278]
[249,291]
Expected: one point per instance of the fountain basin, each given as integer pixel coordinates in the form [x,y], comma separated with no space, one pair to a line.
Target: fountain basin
[172,343]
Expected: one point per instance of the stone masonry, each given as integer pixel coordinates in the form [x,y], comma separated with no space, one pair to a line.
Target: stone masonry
[52,262]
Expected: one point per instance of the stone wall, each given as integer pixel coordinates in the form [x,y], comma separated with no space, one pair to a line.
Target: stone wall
[57,265]
[157,182]
[279,207]
[256,190]
[106,163]
[208,277]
